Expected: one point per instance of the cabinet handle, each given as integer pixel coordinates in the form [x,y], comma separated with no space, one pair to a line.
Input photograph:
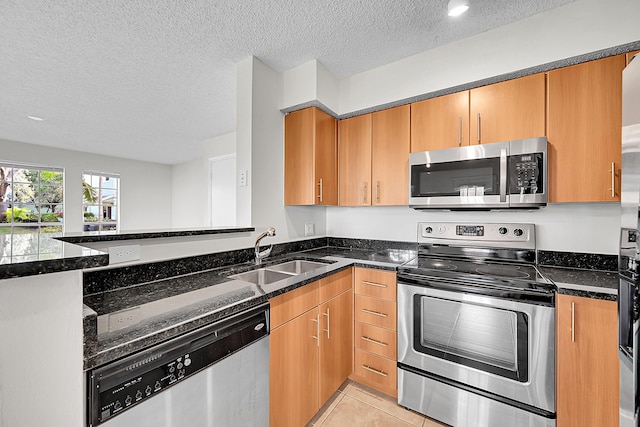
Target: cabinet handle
[375,371]
[320,185]
[459,131]
[375,313]
[317,335]
[377,285]
[371,340]
[364,193]
[377,191]
[613,179]
[573,322]
[479,129]
[328,322]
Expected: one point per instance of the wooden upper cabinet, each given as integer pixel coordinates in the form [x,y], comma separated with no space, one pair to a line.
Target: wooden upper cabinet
[513,109]
[441,122]
[588,370]
[390,156]
[310,158]
[584,131]
[354,161]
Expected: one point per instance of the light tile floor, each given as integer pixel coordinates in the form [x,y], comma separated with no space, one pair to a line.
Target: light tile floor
[356,405]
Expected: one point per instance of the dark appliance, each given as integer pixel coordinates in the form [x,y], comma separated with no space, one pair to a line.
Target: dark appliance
[500,175]
[476,327]
[629,255]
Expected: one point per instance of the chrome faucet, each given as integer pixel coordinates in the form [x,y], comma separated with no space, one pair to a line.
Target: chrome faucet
[260,255]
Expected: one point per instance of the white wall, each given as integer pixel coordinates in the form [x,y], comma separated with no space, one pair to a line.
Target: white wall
[190,204]
[145,187]
[41,380]
[580,227]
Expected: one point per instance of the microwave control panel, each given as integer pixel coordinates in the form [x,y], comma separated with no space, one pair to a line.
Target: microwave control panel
[525,174]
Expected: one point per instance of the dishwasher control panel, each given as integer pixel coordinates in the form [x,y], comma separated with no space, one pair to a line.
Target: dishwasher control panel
[123,384]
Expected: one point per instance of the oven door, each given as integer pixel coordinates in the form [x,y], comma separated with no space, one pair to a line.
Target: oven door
[463,177]
[501,347]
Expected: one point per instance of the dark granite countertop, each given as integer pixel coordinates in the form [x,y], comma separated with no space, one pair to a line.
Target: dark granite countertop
[106,236]
[585,283]
[30,254]
[216,296]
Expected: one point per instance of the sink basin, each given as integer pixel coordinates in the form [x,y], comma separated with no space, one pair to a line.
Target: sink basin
[261,276]
[297,266]
[274,273]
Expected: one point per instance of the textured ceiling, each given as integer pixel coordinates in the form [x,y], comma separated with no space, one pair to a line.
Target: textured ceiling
[151,79]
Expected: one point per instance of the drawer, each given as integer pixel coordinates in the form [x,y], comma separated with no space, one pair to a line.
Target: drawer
[375,283]
[376,340]
[376,372]
[291,304]
[335,284]
[378,312]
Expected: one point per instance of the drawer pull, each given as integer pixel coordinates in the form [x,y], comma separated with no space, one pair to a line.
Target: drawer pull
[375,371]
[375,313]
[377,285]
[371,340]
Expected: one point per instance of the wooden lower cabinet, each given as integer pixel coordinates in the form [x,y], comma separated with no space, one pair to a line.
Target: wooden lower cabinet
[336,344]
[311,351]
[293,382]
[587,369]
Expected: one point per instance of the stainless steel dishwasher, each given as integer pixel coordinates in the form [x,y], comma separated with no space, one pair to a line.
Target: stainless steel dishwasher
[215,376]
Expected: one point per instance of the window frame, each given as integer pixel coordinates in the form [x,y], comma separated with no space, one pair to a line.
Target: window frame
[101,225]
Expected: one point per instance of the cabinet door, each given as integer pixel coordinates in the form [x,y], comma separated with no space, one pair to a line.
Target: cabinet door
[293,382]
[326,159]
[354,161]
[587,362]
[584,131]
[390,156]
[310,158]
[336,347]
[299,129]
[514,109]
[441,122]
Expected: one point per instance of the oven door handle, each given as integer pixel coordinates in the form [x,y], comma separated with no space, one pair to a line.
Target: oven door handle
[503,175]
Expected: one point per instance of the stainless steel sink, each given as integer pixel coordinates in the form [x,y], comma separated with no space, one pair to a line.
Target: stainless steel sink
[275,273]
[261,276]
[296,267]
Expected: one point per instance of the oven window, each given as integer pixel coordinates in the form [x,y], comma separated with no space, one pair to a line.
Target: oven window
[487,338]
[481,176]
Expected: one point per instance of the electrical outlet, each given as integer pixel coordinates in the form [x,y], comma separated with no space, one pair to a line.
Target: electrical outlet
[124,253]
[123,319]
[309,230]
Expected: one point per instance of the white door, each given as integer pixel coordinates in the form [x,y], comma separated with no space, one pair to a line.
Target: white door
[223,190]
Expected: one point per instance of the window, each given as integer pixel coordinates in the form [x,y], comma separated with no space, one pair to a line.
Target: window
[31,203]
[100,194]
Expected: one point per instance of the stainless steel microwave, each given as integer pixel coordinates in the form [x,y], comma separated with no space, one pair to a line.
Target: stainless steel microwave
[500,175]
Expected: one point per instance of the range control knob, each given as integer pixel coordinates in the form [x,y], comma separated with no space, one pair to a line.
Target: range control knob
[518,232]
[428,230]
[128,400]
[502,230]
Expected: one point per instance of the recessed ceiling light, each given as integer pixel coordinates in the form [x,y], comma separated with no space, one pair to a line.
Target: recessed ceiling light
[36,118]
[457,7]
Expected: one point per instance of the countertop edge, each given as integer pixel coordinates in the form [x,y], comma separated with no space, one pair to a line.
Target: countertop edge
[137,235]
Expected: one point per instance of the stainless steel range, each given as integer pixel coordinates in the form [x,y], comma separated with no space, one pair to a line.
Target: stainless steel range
[476,327]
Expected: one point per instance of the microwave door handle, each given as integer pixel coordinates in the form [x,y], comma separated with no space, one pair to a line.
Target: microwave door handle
[503,175]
